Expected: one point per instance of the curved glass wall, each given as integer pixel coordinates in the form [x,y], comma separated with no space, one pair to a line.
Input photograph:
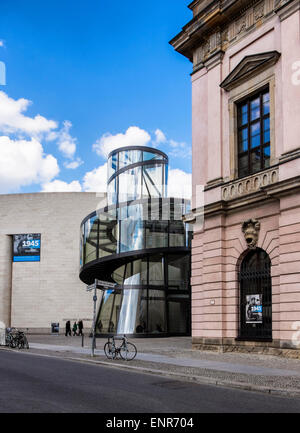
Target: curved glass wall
[140,242]
[153,297]
[138,226]
[136,173]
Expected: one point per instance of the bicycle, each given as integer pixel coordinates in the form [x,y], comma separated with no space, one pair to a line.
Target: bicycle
[22,342]
[127,351]
[10,339]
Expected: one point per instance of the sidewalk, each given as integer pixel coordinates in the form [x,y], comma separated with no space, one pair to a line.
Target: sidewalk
[173,357]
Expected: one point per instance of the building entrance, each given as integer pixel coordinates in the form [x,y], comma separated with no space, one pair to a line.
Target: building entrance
[255,297]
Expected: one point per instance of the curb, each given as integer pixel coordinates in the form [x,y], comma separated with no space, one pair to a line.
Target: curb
[199,379]
[178,376]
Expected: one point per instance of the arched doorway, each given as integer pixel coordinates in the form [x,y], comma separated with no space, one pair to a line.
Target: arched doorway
[255,296]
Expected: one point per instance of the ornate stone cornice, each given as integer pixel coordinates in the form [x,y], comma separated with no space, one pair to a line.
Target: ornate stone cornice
[285,8]
[218,25]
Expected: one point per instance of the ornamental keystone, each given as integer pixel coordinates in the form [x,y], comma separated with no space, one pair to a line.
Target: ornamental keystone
[251,229]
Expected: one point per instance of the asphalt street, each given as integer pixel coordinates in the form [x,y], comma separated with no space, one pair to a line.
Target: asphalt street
[39,384]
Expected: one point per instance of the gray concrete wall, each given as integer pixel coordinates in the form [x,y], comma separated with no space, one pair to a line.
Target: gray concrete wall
[34,294]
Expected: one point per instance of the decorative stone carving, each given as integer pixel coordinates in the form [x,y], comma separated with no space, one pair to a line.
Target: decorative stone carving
[251,229]
[259,11]
[241,25]
[234,30]
[249,185]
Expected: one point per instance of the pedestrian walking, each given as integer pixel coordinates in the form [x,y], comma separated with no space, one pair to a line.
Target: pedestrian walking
[68,328]
[80,327]
[74,329]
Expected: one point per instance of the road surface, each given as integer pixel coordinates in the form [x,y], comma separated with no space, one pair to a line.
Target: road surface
[32,384]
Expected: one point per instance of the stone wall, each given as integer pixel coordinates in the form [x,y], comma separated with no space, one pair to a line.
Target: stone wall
[35,294]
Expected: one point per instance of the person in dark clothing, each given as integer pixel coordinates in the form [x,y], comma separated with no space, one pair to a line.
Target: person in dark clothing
[74,329]
[68,328]
[80,327]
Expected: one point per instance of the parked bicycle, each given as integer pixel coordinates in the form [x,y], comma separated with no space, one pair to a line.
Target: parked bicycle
[10,339]
[125,350]
[15,338]
[22,342]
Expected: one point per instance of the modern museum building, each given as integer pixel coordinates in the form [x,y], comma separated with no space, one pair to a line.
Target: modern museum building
[139,242]
[54,244]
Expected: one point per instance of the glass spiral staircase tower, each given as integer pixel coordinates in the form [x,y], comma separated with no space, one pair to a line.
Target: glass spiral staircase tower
[139,242]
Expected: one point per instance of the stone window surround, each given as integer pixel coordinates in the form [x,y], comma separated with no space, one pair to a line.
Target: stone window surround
[251,86]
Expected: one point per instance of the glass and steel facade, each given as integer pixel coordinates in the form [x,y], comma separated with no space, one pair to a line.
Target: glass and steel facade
[135,173]
[139,242]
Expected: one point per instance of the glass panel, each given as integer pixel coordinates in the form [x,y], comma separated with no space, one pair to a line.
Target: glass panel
[108,232]
[178,310]
[130,312]
[244,114]
[136,273]
[112,192]
[177,234]
[267,130]
[156,271]
[178,272]
[148,156]
[156,312]
[112,165]
[266,103]
[132,236]
[255,134]
[90,239]
[166,178]
[243,140]
[255,160]
[130,185]
[153,181]
[109,312]
[255,109]
[128,157]
[156,234]
[81,260]
[243,165]
[267,156]
[118,275]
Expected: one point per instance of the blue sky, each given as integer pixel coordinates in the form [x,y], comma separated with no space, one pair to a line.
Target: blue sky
[92,71]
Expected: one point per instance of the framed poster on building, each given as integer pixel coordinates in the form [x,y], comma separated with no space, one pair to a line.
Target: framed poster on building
[254,308]
[27,247]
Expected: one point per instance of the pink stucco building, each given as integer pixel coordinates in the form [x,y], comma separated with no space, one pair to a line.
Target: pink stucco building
[246,168]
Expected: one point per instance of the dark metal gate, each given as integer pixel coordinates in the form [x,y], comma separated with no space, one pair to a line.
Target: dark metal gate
[255,297]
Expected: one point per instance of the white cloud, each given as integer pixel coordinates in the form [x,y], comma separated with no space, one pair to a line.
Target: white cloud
[66,143]
[134,136]
[1,43]
[61,186]
[23,162]
[160,137]
[179,184]
[96,180]
[73,164]
[12,119]
[180,149]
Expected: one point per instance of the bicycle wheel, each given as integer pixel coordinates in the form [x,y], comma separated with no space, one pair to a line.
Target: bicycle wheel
[109,350]
[128,351]
[21,344]
[13,342]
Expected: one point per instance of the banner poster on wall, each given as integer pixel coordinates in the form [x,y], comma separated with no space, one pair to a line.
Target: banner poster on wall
[27,247]
[254,308]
